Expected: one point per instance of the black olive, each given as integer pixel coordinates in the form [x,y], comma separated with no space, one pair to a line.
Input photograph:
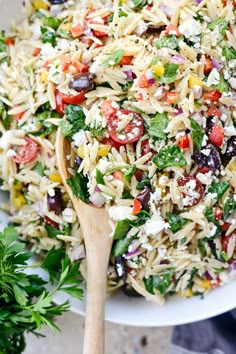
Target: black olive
[82,82]
[155,29]
[209,125]
[120,268]
[129,291]
[57,2]
[144,198]
[55,202]
[78,161]
[230,151]
[211,159]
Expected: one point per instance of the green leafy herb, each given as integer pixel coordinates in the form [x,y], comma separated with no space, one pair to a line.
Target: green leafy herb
[211,218]
[128,174]
[39,168]
[176,222]
[48,37]
[169,156]
[3,114]
[229,53]
[202,247]
[121,230]
[221,23]
[52,22]
[121,246]
[144,182]
[47,127]
[139,4]
[99,177]
[171,42]
[3,47]
[158,125]
[222,85]
[229,207]
[78,184]
[191,280]
[52,231]
[63,33]
[75,120]
[224,257]
[198,17]
[218,189]
[169,74]
[141,219]
[114,57]
[160,282]
[197,133]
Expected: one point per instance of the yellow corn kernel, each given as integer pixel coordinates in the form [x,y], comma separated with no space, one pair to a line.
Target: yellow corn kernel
[186,293]
[206,284]
[44,76]
[55,177]
[195,81]
[39,4]
[19,201]
[18,186]
[158,69]
[66,26]
[103,150]
[80,152]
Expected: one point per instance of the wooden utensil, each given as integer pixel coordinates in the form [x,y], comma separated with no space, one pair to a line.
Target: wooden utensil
[96,230]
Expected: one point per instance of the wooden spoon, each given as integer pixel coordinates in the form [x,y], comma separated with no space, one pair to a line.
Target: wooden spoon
[96,230]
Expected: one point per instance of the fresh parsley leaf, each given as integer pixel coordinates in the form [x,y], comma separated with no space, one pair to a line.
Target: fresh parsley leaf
[218,189]
[144,182]
[169,156]
[229,207]
[78,184]
[99,177]
[171,42]
[47,127]
[3,47]
[114,57]
[160,282]
[222,85]
[197,133]
[139,4]
[198,17]
[229,53]
[52,22]
[158,125]
[52,262]
[221,23]
[52,231]
[39,168]
[48,37]
[176,222]
[75,120]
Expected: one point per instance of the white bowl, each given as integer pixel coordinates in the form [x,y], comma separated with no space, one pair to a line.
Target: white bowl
[139,312]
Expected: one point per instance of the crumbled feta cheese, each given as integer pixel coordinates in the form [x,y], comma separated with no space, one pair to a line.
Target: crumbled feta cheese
[191,29]
[206,152]
[213,78]
[120,212]
[51,192]
[11,153]
[205,178]
[156,196]
[230,131]
[69,215]
[232,82]
[80,138]
[154,225]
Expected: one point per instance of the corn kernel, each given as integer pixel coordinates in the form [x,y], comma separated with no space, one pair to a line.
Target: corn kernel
[55,177]
[18,186]
[19,201]
[186,293]
[44,76]
[195,81]
[103,150]
[206,284]
[158,69]
[80,152]
[39,4]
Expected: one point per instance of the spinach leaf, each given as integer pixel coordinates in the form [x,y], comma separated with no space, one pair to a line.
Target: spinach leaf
[176,222]
[229,53]
[139,4]
[75,120]
[158,125]
[169,74]
[99,177]
[211,218]
[229,207]
[171,42]
[219,189]
[202,247]
[48,37]
[39,168]
[144,182]
[160,282]
[52,231]
[169,156]
[222,85]
[3,47]
[52,22]
[3,115]
[121,230]
[141,218]
[128,174]
[78,184]
[121,246]
[197,133]
[221,23]
[114,57]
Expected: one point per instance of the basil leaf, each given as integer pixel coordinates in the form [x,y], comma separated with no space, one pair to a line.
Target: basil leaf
[169,156]
[52,22]
[229,53]
[48,37]
[229,207]
[121,246]
[159,282]
[221,23]
[222,86]
[158,125]
[99,177]
[219,189]
[121,230]
[171,42]
[139,4]
[176,222]
[78,184]
[114,57]
[39,168]
[197,133]
[128,174]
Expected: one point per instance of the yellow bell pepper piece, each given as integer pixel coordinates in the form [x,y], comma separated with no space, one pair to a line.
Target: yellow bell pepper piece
[44,76]
[19,201]
[103,150]
[195,81]
[55,177]
[80,152]
[206,284]
[66,26]
[186,293]
[18,186]
[158,69]
[39,5]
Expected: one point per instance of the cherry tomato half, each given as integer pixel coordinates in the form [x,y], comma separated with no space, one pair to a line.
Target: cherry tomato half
[111,142]
[225,241]
[213,111]
[192,190]
[26,153]
[128,134]
[107,109]
[216,135]
[212,96]
[145,147]
[126,60]
[51,222]
[208,66]
[183,142]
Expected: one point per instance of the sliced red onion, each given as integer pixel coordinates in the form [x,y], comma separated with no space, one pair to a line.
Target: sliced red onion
[97,189]
[97,199]
[151,81]
[216,64]
[129,75]
[149,74]
[88,32]
[198,118]
[198,2]
[208,276]
[178,111]
[78,252]
[132,254]
[166,9]
[38,207]
[232,267]
[177,59]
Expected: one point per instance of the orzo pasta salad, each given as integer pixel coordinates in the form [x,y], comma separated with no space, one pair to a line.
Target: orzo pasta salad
[146,92]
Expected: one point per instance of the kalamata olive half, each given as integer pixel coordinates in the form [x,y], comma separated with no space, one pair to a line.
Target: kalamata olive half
[208,158]
[144,198]
[120,268]
[230,151]
[129,291]
[55,201]
[57,2]
[82,82]
[78,161]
